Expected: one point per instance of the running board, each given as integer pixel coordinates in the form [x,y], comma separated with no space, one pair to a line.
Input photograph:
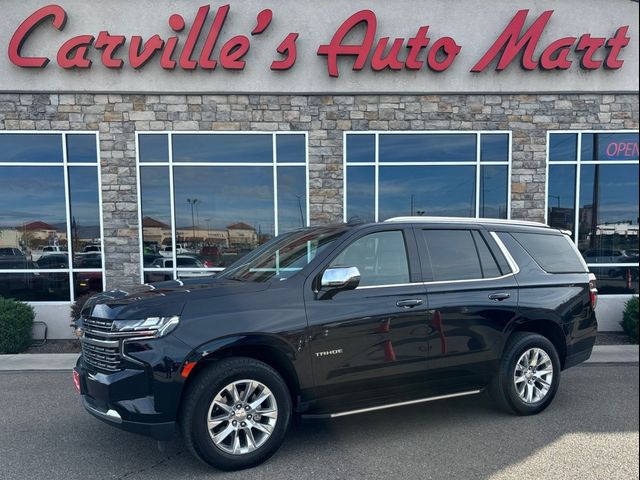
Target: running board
[390,405]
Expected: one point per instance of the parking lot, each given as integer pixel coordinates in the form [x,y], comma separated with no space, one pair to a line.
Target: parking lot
[590,431]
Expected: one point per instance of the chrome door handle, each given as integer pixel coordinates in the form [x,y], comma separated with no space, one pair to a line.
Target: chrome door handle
[409,303]
[498,297]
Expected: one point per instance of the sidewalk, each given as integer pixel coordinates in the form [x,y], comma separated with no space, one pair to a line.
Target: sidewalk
[66,361]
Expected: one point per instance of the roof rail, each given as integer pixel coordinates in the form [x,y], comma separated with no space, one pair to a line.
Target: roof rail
[484,221]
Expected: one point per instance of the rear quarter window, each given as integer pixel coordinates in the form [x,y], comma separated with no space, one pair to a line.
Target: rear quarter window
[552,252]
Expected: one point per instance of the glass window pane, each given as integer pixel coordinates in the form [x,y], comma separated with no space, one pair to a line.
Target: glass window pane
[562,197]
[360,194]
[616,280]
[427,190]
[563,146]
[228,207]
[441,147]
[156,276]
[493,191]
[553,253]
[380,257]
[608,230]
[153,148]
[361,148]
[35,287]
[452,255]
[85,213]
[494,147]
[156,212]
[292,198]
[87,283]
[490,267]
[610,146]
[290,148]
[81,148]
[32,214]
[223,148]
[30,147]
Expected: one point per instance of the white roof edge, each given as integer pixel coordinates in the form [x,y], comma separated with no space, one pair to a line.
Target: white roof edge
[469,220]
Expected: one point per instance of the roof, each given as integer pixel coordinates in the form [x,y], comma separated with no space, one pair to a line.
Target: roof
[38,225]
[466,220]
[152,222]
[240,226]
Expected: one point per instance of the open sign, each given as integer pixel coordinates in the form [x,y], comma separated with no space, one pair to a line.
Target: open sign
[622,150]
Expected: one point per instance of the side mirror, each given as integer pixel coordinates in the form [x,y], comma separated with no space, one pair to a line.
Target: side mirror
[340,278]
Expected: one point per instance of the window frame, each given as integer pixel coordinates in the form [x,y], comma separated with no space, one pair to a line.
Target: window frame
[577,164]
[170,164]
[65,164]
[477,163]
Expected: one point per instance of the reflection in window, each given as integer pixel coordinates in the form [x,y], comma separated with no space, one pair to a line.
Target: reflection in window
[232,201]
[427,174]
[607,217]
[153,148]
[36,234]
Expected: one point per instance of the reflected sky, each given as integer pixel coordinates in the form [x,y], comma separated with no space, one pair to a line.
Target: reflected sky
[494,147]
[31,194]
[609,146]
[292,200]
[563,146]
[291,148]
[562,196]
[225,195]
[153,148]
[155,194]
[222,148]
[85,209]
[617,193]
[361,148]
[437,190]
[493,191]
[427,148]
[360,193]
[30,147]
[81,148]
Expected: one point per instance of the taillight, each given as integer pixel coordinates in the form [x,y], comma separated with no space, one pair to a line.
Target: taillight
[593,291]
[208,263]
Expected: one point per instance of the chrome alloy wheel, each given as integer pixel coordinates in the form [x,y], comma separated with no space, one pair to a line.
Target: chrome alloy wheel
[533,375]
[242,417]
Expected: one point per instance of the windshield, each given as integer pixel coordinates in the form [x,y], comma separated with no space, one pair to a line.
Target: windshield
[284,256]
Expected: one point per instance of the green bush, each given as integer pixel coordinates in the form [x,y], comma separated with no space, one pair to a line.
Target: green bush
[16,320]
[630,319]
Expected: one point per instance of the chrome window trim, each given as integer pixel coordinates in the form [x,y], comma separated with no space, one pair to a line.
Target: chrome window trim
[465,221]
[515,269]
[437,282]
[389,285]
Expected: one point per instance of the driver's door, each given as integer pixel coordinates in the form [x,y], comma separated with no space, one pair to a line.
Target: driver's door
[371,339]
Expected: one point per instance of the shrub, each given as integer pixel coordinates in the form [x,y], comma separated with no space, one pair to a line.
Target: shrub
[630,319]
[16,319]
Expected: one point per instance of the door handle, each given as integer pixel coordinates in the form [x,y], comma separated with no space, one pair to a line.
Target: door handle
[498,297]
[409,303]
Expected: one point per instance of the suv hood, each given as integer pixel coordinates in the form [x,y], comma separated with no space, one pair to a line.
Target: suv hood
[162,299]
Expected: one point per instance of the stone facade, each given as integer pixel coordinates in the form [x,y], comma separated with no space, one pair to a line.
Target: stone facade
[118,117]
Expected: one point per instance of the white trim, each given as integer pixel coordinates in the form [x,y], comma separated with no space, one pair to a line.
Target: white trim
[477,163]
[171,164]
[515,268]
[465,221]
[614,265]
[390,285]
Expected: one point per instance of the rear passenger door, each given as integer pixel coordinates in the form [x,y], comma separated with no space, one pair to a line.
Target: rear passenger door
[472,296]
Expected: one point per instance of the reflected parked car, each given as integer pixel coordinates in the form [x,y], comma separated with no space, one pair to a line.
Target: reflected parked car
[54,260]
[11,257]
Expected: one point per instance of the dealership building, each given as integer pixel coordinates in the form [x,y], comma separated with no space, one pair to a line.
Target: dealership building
[150,140]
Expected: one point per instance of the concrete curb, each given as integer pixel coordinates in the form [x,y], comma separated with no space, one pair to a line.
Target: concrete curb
[66,361]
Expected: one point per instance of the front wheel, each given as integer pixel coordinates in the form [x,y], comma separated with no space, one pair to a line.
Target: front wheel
[236,413]
[529,374]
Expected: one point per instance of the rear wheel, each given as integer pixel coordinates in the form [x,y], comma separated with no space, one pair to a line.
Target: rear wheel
[236,413]
[529,374]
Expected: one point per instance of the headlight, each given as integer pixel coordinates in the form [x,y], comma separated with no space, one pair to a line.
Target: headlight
[151,326]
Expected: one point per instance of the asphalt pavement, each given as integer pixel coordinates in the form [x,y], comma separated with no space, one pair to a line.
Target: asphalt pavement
[589,432]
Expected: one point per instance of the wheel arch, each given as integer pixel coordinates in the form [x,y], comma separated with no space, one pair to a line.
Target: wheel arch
[546,327]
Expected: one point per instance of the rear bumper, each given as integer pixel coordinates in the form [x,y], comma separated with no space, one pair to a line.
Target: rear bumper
[580,349]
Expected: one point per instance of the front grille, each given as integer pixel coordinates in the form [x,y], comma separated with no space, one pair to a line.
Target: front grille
[99,349]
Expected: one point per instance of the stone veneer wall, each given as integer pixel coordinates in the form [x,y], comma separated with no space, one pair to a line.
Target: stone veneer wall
[117,117]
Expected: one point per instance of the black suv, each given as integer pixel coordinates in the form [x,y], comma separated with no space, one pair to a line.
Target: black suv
[336,320]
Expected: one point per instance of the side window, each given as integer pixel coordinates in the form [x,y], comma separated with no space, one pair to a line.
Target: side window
[452,255]
[381,258]
[552,252]
[490,268]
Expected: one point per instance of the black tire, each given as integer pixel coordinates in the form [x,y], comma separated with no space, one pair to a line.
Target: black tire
[200,394]
[503,389]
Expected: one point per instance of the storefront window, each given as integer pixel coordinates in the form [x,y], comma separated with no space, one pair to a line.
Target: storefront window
[464,174]
[207,199]
[599,173]
[50,228]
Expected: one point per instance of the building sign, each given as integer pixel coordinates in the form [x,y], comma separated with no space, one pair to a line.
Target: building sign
[368,47]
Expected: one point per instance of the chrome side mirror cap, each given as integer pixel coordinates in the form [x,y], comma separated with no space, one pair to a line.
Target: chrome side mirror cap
[340,278]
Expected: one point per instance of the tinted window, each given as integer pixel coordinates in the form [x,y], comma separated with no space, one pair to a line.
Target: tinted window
[153,148]
[452,255]
[610,146]
[360,194]
[562,197]
[26,147]
[493,191]
[361,148]
[427,147]
[563,146]
[290,148]
[292,198]
[381,258]
[489,265]
[552,252]
[81,148]
[223,148]
[188,262]
[494,147]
